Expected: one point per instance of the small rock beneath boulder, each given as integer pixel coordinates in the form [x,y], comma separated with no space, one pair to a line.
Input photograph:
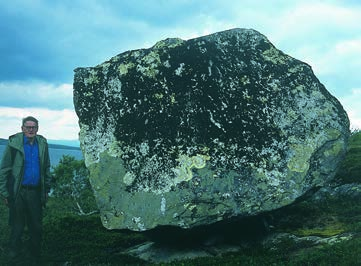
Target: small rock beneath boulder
[189,133]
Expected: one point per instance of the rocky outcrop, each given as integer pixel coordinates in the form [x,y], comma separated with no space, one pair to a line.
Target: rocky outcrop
[192,132]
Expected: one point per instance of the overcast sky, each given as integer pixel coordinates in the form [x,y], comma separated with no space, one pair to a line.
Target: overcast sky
[42,42]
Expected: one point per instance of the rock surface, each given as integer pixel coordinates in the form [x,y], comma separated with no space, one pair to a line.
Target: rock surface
[188,133]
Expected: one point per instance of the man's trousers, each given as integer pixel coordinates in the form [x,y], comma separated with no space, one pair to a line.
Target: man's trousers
[27,211]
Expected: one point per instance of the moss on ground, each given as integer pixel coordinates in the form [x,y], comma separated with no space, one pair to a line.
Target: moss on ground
[326,231]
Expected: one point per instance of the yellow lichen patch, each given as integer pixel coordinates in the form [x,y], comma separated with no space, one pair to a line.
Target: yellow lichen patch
[184,169]
[189,206]
[299,162]
[199,161]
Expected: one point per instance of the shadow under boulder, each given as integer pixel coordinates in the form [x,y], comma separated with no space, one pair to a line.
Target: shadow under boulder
[171,243]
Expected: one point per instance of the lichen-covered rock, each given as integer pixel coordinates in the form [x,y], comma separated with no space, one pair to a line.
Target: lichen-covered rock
[193,132]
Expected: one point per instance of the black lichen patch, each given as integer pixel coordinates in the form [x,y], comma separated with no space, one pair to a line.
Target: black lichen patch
[202,92]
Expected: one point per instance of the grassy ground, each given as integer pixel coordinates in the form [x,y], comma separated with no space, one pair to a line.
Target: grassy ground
[82,240]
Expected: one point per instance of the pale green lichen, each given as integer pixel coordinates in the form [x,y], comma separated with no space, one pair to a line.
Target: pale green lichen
[172,98]
[180,69]
[115,58]
[169,43]
[245,80]
[295,69]
[299,162]
[263,99]
[158,96]
[316,94]
[163,205]
[332,134]
[105,186]
[166,64]
[326,111]
[275,56]
[105,67]
[335,149]
[302,152]
[138,222]
[92,79]
[114,149]
[97,183]
[111,221]
[297,89]
[124,68]
[274,84]
[83,133]
[129,178]
[149,64]
[292,115]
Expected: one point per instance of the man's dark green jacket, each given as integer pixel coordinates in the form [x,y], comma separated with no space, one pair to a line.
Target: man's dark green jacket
[12,167]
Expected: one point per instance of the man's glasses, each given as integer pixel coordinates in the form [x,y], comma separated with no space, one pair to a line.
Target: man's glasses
[28,128]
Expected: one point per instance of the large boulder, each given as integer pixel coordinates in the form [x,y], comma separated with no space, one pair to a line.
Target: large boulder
[188,133]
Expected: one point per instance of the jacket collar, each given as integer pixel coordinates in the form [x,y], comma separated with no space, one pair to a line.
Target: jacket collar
[26,140]
[16,141]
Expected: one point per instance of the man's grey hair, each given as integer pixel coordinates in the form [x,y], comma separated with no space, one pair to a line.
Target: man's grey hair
[30,118]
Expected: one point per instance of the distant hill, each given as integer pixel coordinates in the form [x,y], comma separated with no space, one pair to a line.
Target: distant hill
[56,151]
[64,147]
[52,146]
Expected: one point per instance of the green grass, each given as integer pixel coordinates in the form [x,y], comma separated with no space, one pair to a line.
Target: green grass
[83,240]
[350,169]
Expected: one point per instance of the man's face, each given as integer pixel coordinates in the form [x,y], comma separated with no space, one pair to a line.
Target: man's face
[30,129]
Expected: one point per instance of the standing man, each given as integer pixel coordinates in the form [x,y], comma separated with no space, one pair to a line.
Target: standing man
[24,175]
